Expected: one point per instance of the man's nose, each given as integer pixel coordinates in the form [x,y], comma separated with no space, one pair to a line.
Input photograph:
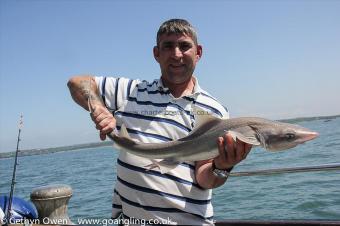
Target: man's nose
[177,53]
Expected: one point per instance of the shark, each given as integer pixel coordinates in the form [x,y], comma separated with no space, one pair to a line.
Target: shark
[200,143]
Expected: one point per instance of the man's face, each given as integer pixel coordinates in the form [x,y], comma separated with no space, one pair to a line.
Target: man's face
[177,55]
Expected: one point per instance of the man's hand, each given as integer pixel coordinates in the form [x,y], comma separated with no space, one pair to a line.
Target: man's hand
[230,152]
[104,120]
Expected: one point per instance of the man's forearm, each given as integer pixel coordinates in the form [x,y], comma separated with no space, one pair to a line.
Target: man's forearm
[205,176]
[81,88]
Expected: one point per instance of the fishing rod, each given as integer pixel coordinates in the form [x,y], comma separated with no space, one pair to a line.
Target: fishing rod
[324,167]
[9,207]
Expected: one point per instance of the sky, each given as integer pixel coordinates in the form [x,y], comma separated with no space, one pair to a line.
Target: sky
[275,59]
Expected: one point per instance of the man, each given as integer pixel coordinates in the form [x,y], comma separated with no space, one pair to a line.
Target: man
[156,112]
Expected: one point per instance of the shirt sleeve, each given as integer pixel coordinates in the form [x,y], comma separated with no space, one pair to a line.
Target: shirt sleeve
[225,112]
[115,92]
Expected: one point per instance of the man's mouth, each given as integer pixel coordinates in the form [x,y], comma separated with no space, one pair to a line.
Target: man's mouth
[177,66]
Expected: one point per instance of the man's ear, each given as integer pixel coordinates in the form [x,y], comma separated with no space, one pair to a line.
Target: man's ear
[199,52]
[156,53]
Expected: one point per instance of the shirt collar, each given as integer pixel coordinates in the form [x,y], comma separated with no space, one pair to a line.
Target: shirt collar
[160,85]
[197,89]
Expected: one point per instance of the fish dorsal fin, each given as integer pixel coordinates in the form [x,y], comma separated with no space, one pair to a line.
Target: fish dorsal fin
[123,132]
[202,116]
[203,122]
[246,139]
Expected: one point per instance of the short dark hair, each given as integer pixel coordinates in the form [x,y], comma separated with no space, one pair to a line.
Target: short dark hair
[177,26]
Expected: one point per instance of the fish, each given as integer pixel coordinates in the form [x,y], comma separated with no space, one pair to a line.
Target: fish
[201,142]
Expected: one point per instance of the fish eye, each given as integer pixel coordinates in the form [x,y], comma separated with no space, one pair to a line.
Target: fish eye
[290,136]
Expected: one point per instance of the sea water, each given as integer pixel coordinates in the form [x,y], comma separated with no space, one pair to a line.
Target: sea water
[91,174]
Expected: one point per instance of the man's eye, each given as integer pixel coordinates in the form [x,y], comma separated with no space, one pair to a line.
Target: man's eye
[167,46]
[185,46]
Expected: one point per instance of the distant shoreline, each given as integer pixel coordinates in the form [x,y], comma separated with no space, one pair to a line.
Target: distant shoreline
[302,119]
[41,151]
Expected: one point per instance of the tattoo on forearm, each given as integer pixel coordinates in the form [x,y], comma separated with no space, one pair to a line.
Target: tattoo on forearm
[87,89]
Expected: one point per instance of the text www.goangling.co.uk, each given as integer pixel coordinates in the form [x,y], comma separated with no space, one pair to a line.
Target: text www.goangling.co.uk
[120,221]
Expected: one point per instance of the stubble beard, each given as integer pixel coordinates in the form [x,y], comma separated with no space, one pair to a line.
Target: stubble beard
[177,79]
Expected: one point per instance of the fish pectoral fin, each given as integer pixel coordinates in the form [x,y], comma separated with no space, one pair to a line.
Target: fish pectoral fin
[246,139]
[164,165]
[123,131]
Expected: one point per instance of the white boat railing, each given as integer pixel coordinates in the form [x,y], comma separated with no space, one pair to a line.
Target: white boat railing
[300,169]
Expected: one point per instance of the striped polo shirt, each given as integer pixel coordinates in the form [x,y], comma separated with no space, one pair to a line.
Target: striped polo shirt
[152,114]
